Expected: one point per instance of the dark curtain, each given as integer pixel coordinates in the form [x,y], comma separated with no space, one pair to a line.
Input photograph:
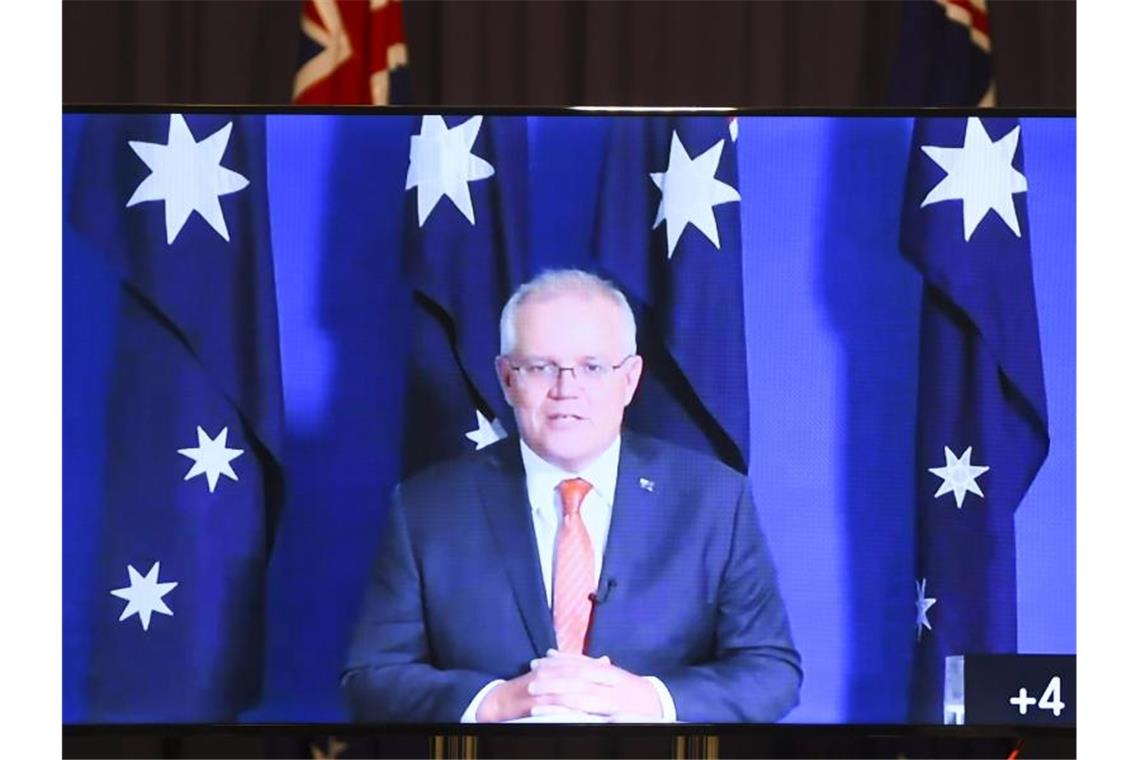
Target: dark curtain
[831,53]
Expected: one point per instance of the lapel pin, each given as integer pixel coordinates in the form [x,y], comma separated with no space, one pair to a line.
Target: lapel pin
[646,484]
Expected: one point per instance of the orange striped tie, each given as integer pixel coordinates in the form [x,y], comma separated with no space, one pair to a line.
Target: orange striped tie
[573,570]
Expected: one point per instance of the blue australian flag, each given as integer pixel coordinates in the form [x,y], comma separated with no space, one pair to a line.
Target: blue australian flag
[467,224]
[982,430]
[668,233]
[195,422]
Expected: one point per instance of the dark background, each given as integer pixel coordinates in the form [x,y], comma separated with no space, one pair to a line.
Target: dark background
[829,53]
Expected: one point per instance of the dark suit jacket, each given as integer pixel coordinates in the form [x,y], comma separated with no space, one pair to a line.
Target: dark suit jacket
[456,596]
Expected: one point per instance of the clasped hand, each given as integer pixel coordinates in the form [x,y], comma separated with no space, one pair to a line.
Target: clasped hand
[561,682]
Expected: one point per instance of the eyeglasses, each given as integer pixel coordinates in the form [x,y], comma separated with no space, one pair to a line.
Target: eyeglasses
[546,373]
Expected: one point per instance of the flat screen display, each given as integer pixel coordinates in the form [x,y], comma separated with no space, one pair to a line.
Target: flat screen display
[781,416]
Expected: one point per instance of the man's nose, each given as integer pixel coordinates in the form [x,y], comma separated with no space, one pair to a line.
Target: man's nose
[566,384]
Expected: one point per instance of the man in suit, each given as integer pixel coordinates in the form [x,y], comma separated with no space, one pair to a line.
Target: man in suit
[580,569]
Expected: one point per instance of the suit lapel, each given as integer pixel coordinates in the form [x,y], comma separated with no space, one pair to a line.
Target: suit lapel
[507,506]
[628,552]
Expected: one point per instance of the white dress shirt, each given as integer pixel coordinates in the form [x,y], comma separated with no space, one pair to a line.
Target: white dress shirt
[542,479]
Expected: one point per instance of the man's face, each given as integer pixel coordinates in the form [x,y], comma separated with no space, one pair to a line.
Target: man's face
[569,418]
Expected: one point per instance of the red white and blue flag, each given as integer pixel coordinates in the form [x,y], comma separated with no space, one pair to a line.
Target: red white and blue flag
[944,55]
[353,52]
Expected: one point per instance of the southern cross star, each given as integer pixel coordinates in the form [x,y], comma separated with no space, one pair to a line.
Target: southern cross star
[212,458]
[144,595]
[922,605]
[959,476]
[485,432]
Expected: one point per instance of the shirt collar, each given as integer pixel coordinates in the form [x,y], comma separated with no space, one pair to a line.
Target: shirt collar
[601,474]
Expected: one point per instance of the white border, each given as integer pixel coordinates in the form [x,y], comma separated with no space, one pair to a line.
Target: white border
[1108,426]
[30,333]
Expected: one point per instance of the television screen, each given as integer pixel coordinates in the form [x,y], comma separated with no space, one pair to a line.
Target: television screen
[567,416]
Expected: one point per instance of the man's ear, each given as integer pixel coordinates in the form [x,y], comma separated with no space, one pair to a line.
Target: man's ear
[506,378]
[632,377]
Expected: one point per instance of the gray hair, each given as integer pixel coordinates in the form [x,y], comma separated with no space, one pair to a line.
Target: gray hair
[558,282]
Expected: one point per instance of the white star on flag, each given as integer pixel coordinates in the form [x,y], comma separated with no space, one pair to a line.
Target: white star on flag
[144,595]
[689,190]
[212,457]
[922,604]
[959,475]
[442,164]
[981,175]
[187,176]
[485,432]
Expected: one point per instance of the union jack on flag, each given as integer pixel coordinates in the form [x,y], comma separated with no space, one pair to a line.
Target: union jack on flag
[352,51]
